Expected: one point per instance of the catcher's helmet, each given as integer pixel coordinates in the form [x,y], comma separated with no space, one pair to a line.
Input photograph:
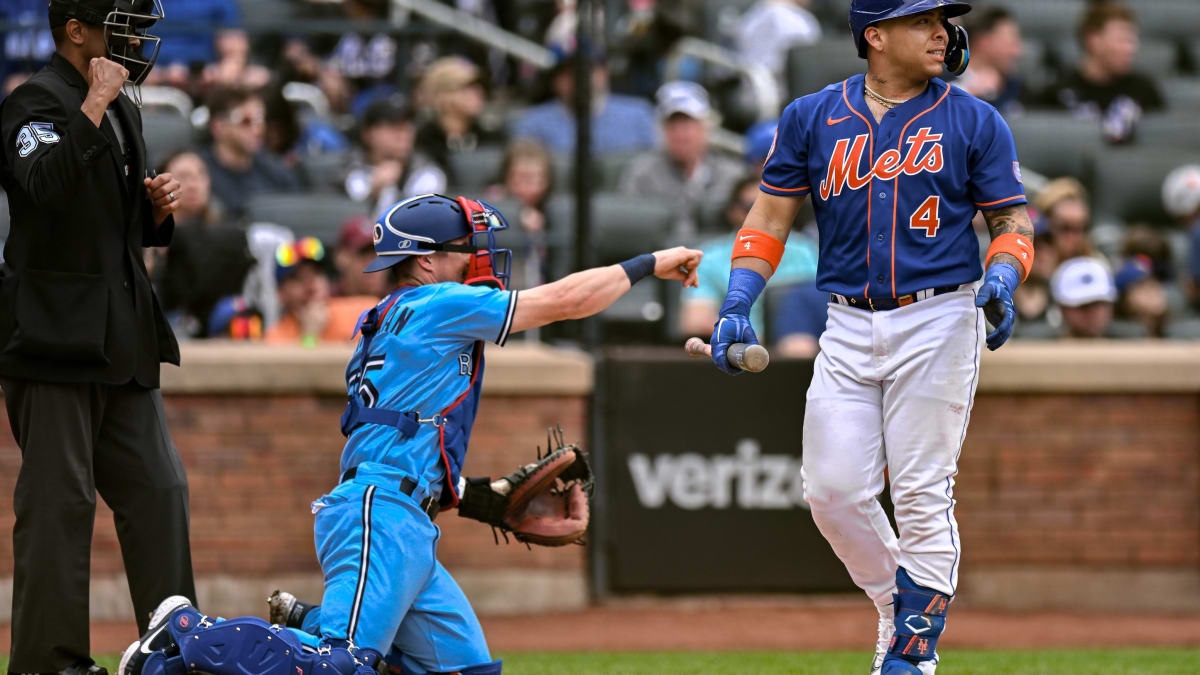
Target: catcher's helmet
[865,13]
[421,225]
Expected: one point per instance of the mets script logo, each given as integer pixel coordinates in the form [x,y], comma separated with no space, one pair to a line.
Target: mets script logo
[847,157]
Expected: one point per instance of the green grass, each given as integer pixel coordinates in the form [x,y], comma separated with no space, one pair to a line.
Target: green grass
[954,662]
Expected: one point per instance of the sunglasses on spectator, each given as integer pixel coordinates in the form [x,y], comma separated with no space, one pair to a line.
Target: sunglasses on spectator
[290,255]
[242,118]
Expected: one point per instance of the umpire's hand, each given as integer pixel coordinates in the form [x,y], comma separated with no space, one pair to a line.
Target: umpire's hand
[163,192]
[105,80]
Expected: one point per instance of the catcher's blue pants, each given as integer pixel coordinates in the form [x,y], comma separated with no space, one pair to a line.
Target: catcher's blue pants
[384,587]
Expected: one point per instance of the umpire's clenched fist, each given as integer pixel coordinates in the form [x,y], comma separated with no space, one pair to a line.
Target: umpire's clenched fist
[105,79]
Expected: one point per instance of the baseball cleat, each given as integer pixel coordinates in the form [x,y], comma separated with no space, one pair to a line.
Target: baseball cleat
[156,637]
[887,627]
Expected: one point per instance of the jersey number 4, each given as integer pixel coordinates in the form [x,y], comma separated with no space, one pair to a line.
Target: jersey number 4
[926,217]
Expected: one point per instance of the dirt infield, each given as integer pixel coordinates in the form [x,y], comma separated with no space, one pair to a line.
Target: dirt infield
[734,624]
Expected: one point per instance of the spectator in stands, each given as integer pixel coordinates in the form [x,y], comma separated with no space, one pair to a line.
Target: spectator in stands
[237,164]
[191,32]
[452,90]
[799,319]
[527,178]
[1084,291]
[197,205]
[387,167]
[233,67]
[308,312]
[683,172]
[1103,84]
[1181,199]
[995,50]
[770,28]
[1140,296]
[300,64]
[1066,216]
[355,249]
[760,139]
[25,41]
[619,123]
[699,305]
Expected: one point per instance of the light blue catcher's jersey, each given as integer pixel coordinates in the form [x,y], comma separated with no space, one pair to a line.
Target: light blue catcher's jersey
[424,358]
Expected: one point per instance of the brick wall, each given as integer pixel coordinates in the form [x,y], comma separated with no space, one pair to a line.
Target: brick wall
[255,462]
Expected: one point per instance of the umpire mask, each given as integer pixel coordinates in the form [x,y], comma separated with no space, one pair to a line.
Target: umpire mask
[128,21]
[123,21]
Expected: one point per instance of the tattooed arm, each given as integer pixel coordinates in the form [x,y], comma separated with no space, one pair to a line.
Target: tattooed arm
[1004,271]
[1013,219]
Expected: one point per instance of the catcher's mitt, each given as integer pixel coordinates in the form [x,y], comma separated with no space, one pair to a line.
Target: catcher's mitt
[544,503]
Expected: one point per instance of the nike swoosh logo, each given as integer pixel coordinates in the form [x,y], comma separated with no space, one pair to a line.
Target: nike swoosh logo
[148,640]
[830,121]
[1021,243]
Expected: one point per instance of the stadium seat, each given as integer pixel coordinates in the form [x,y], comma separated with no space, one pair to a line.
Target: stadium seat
[472,170]
[306,215]
[721,18]
[267,15]
[610,168]
[1168,18]
[622,227]
[325,172]
[1182,93]
[1128,184]
[810,68]
[1051,21]
[1184,329]
[166,132]
[1056,144]
[1179,130]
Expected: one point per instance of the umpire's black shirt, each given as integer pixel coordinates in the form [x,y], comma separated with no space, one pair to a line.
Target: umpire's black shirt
[75,301]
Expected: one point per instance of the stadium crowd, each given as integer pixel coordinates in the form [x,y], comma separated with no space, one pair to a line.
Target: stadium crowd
[292,123]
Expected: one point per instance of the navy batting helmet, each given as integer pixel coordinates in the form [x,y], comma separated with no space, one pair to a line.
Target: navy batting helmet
[865,13]
[421,225]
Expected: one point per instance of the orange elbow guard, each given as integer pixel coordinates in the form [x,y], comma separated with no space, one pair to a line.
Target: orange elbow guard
[751,243]
[1015,245]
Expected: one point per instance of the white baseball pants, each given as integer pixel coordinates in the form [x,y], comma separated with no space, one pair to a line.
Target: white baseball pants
[892,390]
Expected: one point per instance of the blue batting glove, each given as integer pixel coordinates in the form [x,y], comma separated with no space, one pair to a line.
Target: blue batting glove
[995,297]
[733,322]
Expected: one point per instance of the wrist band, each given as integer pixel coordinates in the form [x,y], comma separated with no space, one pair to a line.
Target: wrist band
[638,267]
[751,243]
[1015,245]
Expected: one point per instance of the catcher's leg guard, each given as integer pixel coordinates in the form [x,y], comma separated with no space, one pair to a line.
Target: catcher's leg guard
[920,619]
[251,646]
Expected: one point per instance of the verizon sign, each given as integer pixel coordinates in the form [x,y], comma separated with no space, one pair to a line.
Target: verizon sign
[700,487]
[746,479]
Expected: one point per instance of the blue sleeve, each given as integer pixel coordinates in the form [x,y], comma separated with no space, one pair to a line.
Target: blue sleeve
[802,311]
[994,173]
[473,313]
[785,172]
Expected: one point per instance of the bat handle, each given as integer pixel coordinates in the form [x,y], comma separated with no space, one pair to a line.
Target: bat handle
[748,357]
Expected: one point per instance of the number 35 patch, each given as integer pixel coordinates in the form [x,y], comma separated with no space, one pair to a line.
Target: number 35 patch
[34,133]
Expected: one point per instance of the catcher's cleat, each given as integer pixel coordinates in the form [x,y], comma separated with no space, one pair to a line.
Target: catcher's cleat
[156,637]
[887,628]
[284,609]
[84,669]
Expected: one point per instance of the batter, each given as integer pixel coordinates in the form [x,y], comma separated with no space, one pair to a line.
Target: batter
[897,163]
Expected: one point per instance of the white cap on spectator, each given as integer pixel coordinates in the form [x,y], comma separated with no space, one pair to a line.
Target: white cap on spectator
[681,96]
[1080,281]
[1181,191]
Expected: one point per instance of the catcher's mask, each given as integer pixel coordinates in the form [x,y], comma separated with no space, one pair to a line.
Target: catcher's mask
[424,224]
[124,21]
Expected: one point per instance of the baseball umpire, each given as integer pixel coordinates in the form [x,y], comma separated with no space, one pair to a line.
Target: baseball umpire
[897,162]
[82,335]
[413,387]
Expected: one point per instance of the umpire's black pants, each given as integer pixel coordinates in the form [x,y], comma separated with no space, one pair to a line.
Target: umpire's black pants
[76,439]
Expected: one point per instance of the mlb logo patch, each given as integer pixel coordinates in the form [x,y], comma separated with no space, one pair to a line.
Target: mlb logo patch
[1017,171]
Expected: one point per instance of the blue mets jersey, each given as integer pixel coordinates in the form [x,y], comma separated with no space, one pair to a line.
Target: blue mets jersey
[894,200]
[426,357]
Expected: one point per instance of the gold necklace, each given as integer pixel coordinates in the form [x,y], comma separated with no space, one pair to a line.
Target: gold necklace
[882,100]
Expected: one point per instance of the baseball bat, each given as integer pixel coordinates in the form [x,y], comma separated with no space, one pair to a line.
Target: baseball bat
[751,358]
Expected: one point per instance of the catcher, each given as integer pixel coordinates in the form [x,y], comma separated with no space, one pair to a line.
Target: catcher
[413,386]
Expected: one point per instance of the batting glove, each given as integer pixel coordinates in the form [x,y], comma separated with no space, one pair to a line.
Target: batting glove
[733,322]
[995,297]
